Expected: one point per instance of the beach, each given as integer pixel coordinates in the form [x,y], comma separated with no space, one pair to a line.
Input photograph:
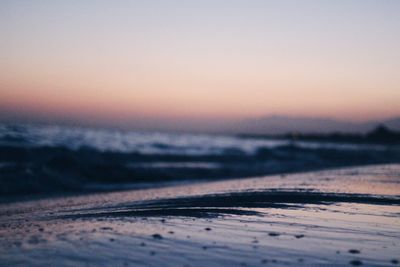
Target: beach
[344,216]
[199,133]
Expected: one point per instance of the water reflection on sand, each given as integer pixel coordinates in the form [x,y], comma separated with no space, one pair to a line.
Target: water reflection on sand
[339,217]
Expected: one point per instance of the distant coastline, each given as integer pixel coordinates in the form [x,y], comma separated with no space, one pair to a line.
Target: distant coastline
[381,135]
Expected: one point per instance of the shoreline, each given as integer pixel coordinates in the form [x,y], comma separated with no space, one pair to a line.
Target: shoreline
[115,188]
[306,219]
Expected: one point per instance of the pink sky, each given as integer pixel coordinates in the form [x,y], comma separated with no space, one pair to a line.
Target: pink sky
[129,61]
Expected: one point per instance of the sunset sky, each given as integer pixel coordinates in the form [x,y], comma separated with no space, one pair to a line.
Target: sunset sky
[148,62]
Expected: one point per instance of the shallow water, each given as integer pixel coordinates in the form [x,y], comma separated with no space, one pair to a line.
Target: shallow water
[344,217]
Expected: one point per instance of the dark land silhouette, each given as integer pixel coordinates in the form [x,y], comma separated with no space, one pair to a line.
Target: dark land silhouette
[380,135]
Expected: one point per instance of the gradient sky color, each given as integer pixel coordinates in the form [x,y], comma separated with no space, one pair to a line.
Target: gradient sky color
[147,62]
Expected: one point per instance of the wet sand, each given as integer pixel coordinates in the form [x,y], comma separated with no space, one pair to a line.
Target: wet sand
[345,217]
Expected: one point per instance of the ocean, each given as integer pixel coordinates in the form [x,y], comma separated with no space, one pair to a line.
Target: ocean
[41,159]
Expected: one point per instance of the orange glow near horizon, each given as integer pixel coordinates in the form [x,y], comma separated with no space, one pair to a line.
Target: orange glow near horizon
[238,63]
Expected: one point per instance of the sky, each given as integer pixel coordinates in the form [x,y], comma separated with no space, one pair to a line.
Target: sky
[171,63]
